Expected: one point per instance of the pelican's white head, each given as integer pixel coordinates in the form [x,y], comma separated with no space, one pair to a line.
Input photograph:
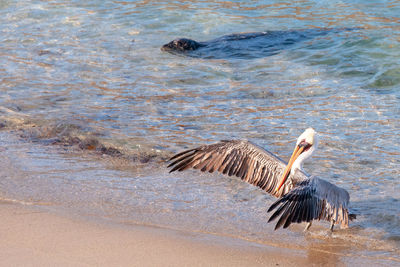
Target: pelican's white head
[305,146]
[309,140]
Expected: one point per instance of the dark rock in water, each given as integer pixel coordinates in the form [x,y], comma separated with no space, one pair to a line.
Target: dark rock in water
[245,45]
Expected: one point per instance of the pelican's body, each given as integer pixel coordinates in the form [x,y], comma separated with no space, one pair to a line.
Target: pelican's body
[302,198]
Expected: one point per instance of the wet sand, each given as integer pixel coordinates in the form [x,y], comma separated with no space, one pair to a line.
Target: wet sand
[35,237]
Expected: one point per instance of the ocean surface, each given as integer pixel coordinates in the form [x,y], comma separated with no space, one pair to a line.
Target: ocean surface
[91,109]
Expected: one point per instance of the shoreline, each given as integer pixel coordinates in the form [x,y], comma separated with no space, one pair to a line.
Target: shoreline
[34,236]
[38,236]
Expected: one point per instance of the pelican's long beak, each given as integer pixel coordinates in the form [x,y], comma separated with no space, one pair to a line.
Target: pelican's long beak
[296,153]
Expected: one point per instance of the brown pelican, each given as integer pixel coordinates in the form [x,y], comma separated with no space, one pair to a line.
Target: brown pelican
[303,198]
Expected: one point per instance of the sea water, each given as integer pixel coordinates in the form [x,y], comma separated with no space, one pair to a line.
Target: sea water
[91,109]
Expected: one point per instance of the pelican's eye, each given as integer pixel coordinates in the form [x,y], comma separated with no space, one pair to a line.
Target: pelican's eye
[305,144]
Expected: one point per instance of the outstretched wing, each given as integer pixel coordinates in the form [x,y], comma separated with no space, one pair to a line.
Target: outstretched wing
[240,158]
[312,199]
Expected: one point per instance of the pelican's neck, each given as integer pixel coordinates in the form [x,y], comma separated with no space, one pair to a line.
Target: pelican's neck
[298,163]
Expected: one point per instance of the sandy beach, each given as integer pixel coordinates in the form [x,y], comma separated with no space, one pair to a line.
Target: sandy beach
[33,237]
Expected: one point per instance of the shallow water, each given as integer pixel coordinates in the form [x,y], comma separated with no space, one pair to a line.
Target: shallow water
[91,75]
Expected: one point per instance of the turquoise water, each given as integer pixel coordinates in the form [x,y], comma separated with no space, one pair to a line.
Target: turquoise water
[91,75]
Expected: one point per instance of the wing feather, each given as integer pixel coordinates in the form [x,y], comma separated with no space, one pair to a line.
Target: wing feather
[223,164]
[312,199]
[240,158]
[291,211]
[184,163]
[181,154]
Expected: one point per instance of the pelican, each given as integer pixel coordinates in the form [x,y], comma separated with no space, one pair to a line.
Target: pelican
[302,198]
